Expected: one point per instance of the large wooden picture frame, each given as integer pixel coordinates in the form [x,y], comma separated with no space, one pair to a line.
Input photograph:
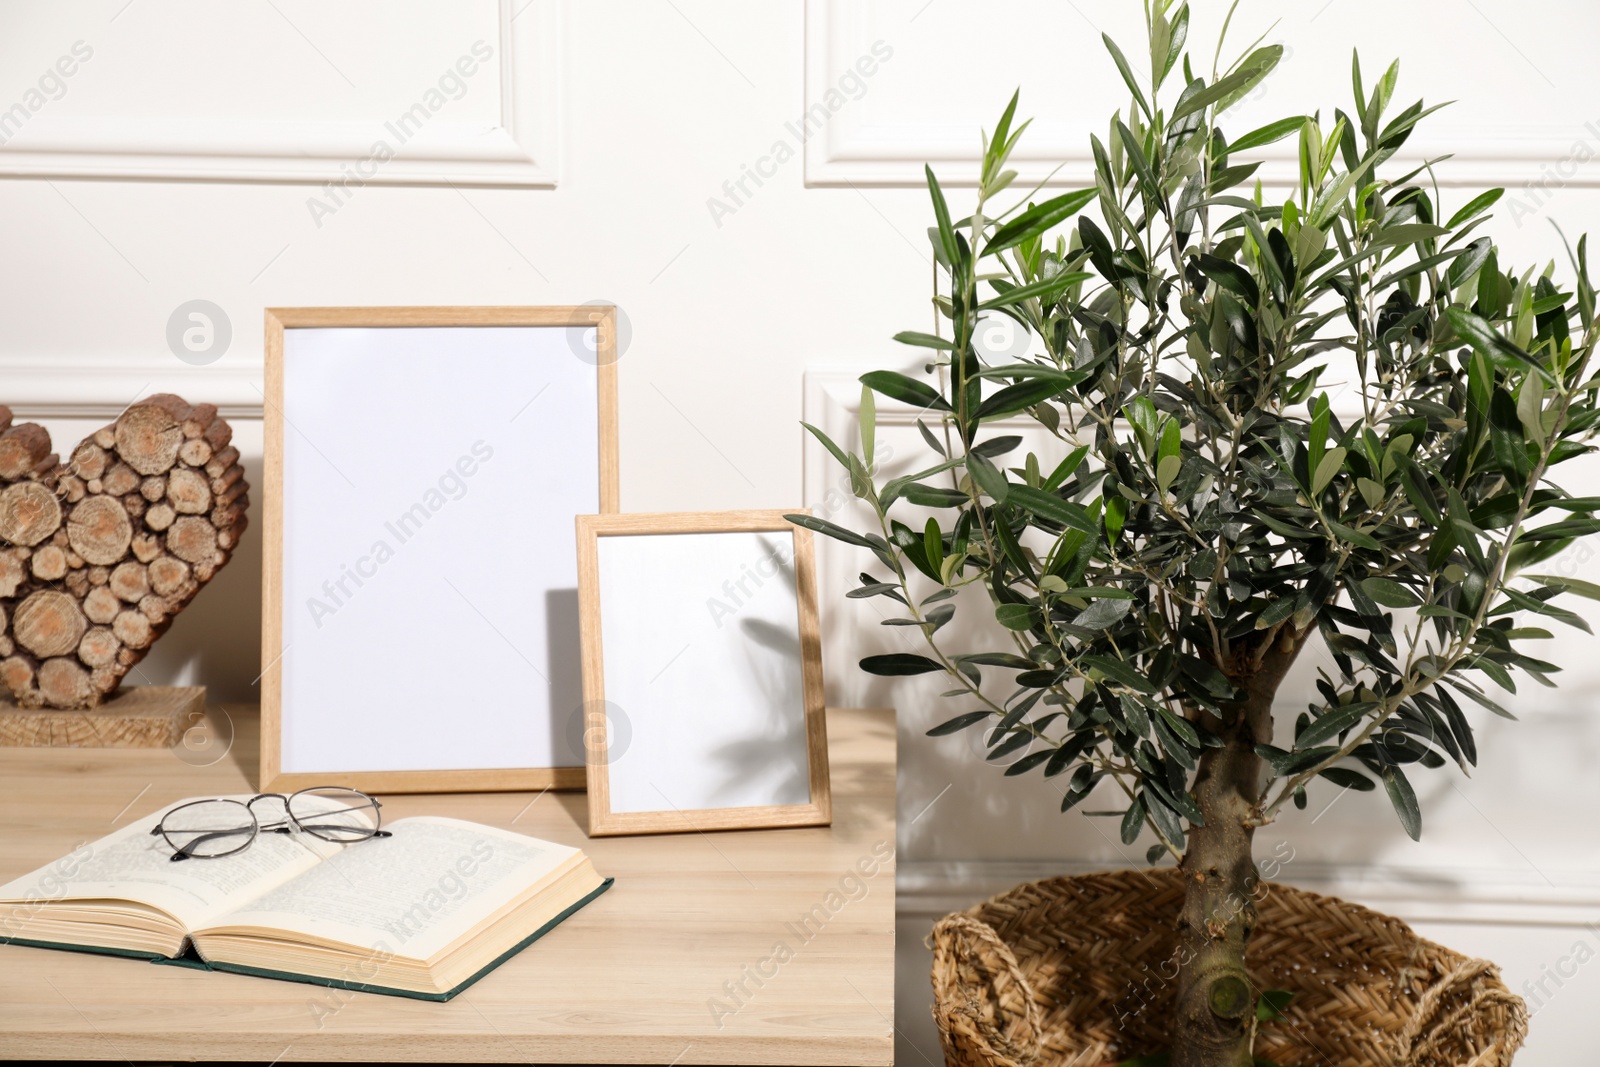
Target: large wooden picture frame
[397,396]
[737,590]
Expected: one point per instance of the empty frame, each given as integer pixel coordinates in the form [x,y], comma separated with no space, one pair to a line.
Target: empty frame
[702,673]
[420,606]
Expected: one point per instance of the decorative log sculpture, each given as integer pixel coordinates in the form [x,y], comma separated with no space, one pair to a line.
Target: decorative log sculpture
[98,555]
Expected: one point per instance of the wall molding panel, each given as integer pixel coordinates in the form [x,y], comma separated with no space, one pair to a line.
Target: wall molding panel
[869,144]
[65,387]
[519,149]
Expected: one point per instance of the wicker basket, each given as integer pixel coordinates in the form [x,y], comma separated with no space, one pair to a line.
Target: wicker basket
[1069,971]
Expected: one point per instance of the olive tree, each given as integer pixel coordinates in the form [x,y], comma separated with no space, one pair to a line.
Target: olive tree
[1202,514]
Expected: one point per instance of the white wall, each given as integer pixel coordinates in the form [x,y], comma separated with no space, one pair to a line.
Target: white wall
[581,163]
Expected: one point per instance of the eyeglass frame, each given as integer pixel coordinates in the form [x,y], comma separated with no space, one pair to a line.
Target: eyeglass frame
[288,825]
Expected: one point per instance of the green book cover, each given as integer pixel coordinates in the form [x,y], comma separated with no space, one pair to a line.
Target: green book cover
[190,959]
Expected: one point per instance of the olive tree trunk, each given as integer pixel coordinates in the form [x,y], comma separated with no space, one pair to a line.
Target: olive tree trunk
[1215,1000]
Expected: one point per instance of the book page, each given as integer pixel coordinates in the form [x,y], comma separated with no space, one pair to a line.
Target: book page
[410,895]
[132,864]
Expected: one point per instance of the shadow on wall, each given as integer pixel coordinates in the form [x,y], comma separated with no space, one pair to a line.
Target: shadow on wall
[566,676]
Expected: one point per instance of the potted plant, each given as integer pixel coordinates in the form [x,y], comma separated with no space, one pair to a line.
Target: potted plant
[1203,513]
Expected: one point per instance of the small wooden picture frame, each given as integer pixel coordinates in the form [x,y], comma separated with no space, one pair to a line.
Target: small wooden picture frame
[702,673]
[423,466]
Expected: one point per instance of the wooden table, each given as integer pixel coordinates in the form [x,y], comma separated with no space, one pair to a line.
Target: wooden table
[696,955]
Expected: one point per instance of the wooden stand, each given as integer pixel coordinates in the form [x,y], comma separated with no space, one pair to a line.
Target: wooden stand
[150,716]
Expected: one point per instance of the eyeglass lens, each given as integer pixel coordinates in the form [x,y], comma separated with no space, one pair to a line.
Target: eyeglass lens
[335,814]
[209,828]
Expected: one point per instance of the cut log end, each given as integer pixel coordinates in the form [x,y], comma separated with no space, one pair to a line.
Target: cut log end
[13,572]
[199,419]
[168,576]
[192,539]
[49,564]
[63,683]
[156,608]
[130,582]
[101,605]
[105,680]
[49,623]
[99,647]
[17,674]
[119,480]
[132,629]
[23,449]
[195,453]
[29,513]
[99,530]
[146,547]
[228,539]
[149,433]
[189,492]
[89,461]
[222,460]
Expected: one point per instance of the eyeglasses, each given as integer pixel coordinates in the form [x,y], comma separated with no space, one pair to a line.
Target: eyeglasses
[207,829]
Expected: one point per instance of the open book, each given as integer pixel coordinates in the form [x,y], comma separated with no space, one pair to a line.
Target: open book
[424,913]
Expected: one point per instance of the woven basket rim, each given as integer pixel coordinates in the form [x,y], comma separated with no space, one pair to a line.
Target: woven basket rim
[1325,899]
[989,1014]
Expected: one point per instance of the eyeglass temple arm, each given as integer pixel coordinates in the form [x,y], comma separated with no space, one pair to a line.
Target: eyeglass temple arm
[326,826]
[183,853]
[283,827]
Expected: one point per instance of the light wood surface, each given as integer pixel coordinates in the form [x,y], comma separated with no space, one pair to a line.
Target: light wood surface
[142,716]
[604,821]
[642,975]
[604,320]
